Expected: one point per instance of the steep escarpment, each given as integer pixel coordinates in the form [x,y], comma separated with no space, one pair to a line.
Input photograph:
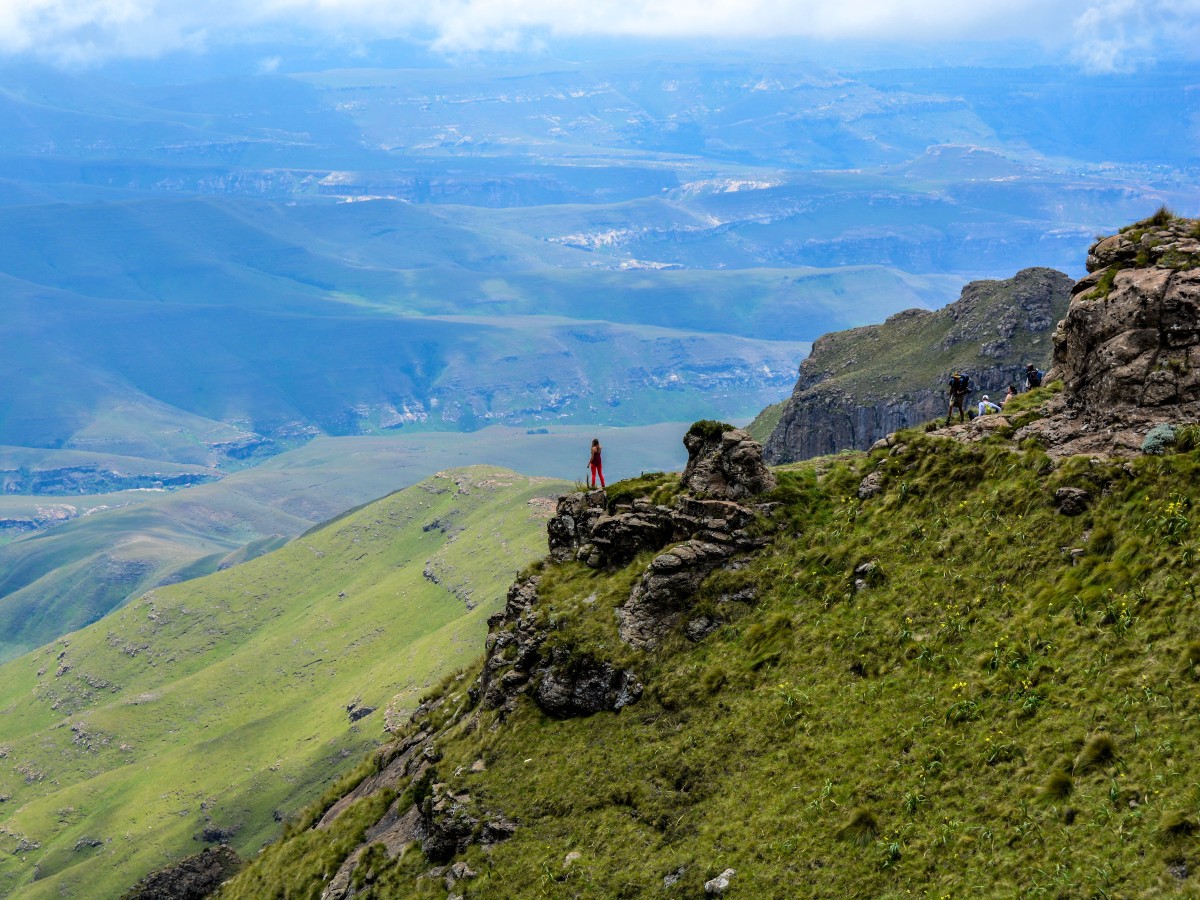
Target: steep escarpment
[859,385]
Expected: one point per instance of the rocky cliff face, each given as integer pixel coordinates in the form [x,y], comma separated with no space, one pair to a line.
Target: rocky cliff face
[1128,349]
[862,384]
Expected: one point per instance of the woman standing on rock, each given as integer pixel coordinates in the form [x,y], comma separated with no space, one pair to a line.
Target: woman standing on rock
[595,463]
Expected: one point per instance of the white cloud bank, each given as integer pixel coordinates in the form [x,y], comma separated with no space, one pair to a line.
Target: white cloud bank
[1103,35]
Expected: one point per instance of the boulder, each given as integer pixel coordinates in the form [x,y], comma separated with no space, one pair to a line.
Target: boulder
[725,466]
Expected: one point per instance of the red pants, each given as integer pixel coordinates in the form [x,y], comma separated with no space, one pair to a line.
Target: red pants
[597,471]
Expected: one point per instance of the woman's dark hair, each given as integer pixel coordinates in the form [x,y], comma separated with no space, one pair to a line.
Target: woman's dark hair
[595,442]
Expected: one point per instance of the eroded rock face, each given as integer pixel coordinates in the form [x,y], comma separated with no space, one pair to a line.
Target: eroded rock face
[659,600]
[700,530]
[194,878]
[1128,349]
[729,467]
[561,683]
[1137,346]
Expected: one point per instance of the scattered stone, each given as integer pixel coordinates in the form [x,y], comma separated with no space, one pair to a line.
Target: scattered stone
[698,629]
[460,871]
[871,485]
[673,879]
[720,884]
[572,857]
[1071,501]
[357,711]
[867,574]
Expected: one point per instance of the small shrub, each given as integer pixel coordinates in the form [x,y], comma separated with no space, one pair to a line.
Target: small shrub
[1158,439]
[709,429]
[861,829]
[1162,216]
[1100,750]
[1057,787]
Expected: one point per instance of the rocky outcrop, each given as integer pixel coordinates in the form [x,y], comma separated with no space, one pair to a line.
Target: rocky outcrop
[194,878]
[700,530]
[1128,349]
[859,385]
[726,465]
[563,684]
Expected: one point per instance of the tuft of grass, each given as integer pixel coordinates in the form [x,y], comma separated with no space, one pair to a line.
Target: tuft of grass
[1057,787]
[861,828]
[1100,750]
[1175,824]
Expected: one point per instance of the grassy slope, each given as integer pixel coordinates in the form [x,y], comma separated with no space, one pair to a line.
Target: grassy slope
[986,718]
[69,576]
[218,702]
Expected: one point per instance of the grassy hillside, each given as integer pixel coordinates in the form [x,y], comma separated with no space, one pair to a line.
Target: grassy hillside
[69,575]
[222,704]
[1004,704]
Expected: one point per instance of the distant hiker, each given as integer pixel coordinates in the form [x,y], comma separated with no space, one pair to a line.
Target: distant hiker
[960,386]
[1012,392]
[595,464]
[1033,377]
[987,406]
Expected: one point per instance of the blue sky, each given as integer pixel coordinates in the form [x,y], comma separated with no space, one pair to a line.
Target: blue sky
[1097,35]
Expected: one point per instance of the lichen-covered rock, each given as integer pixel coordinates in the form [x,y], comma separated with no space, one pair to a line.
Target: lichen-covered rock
[726,467]
[576,685]
[448,824]
[191,879]
[658,601]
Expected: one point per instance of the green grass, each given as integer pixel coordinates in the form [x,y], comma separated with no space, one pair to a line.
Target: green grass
[990,716]
[71,575]
[764,423]
[221,703]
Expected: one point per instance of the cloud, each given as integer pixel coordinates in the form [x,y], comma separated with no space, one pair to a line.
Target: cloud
[1115,35]
[1101,35]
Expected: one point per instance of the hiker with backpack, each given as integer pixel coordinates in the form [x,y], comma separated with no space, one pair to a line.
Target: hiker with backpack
[960,386]
[1033,377]
[987,406]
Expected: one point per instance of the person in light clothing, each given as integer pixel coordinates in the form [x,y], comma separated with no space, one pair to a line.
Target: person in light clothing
[987,406]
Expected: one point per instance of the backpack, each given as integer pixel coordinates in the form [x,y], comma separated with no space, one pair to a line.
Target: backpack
[960,384]
[1035,378]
